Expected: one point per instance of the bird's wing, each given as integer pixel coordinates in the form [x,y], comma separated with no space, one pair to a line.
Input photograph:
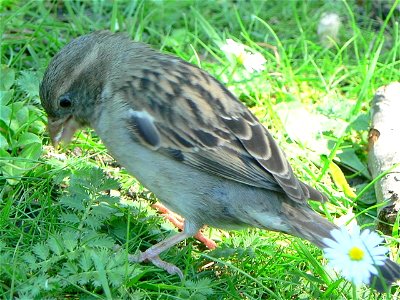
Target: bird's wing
[186,114]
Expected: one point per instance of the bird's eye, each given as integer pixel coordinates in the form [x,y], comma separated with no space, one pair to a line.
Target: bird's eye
[65,101]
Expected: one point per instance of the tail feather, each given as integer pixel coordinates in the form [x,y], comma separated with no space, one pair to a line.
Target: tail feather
[313,194]
[309,225]
[314,228]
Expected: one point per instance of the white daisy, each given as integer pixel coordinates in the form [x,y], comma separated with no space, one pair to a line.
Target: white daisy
[254,62]
[234,48]
[251,61]
[355,255]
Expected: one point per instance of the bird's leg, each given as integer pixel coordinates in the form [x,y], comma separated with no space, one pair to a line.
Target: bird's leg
[209,243]
[177,221]
[152,254]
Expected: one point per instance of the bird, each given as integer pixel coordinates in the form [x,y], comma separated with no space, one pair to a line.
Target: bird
[185,137]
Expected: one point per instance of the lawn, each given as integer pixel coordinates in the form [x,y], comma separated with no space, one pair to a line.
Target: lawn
[70,217]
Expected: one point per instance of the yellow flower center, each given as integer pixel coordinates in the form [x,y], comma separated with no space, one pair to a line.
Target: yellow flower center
[356,253]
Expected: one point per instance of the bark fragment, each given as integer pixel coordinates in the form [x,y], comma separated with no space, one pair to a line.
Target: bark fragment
[384,153]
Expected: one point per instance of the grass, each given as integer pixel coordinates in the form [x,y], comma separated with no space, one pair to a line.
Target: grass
[60,216]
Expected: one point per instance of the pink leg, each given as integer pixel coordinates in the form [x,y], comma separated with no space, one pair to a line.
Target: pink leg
[152,254]
[178,222]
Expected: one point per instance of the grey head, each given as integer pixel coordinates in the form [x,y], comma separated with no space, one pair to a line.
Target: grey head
[75,78]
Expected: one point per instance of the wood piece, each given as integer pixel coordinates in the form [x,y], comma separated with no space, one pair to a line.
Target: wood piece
[384,153]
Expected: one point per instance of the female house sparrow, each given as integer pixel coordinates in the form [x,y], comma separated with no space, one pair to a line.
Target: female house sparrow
[184,136]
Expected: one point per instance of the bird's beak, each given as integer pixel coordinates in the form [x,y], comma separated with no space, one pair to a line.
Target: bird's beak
[62,130]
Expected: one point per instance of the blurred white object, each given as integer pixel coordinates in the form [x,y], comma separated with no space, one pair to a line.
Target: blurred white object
[252,61]
[328,29]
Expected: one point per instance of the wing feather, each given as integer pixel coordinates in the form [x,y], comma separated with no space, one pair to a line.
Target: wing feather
[189,116]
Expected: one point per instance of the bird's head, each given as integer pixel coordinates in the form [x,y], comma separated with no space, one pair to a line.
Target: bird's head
[73,83]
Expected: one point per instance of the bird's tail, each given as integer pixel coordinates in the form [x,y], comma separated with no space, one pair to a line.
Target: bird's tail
[314,228]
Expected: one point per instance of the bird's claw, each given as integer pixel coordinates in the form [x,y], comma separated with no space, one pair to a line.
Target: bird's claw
[157,261]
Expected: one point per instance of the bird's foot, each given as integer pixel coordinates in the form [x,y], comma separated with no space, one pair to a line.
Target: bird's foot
[157,261]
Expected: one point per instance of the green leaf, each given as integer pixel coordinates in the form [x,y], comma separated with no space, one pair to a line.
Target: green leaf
[99,259]
[361,122]
[96,240]
[78,192]
[368,197]
[3,142]
[21,112]
[15,167]
[72,202]
[55,244]
[201,286]
[98,180]
[29,82]
[70,218]
[109,183]
[84,278]
[5,97]
[108,199]
[116,276]
[32,153]
[93,222]
[7,78]
[103,211]
[70,240]
[5,114]
[16,116]
[85,262]
[4,158]
[69,269]
[42,251]
[28,138]
[349,158]
[30,259]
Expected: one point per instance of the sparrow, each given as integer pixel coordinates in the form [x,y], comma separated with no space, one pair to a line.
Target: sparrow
[185,137]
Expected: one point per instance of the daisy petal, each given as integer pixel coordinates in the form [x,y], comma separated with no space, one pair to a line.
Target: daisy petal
[355,255]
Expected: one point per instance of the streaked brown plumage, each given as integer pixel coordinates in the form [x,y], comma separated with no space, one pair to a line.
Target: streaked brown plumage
[184,136]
